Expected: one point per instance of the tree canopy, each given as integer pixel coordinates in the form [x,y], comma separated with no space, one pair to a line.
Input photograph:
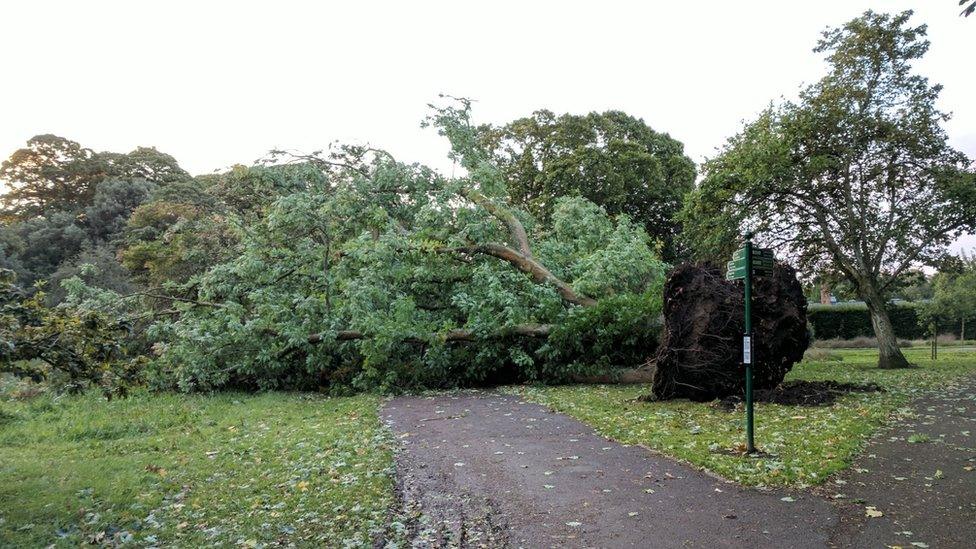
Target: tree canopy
[954,297]
[54,174]
[610,158]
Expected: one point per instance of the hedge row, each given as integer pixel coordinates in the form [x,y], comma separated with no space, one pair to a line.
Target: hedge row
[854,320]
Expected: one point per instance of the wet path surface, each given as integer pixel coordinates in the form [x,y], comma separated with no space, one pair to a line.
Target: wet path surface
[919,474]
[487,469]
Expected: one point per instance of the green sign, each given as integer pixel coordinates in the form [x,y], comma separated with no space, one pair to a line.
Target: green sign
[746,263]
[756,253]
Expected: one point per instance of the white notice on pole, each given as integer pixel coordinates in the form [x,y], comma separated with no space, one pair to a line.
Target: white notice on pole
[746,350]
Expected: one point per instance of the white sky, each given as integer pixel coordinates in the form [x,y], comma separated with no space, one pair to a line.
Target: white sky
[216,83]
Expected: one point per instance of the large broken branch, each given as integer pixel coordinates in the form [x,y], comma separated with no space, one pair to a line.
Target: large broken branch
[528,265]
[522,257]
[515,227]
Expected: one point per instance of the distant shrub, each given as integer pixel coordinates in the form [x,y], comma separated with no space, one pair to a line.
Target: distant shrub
[854,321]
[854,343]
[815,354]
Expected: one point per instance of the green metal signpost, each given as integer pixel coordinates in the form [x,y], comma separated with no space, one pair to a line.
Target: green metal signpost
[746,263]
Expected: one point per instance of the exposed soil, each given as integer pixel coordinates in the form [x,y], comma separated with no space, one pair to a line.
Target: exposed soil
[700,356]
[803,393]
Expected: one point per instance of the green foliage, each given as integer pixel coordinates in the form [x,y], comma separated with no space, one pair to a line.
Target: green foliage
[357,271]
[612,159]
[793,173]
[69,347]
[97,267]
[171,241]
[621,330]
[347,270]
[954,302]
[850,321]
[37,247]
[54,174]
[64,199]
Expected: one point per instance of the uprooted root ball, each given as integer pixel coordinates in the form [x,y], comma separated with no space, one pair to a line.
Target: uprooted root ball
[700,356]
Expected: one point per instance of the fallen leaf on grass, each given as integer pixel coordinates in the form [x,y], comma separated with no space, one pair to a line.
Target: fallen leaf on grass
[156,469]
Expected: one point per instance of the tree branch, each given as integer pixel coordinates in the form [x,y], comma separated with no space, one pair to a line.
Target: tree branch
[527,264]
[515,227]
[457,334]
[173,298]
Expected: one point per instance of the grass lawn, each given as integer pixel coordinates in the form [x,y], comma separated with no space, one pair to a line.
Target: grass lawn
[303,469]
[806,444]
[229,469]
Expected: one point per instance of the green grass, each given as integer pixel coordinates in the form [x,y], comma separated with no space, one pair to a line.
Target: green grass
[302,469]
[175,470]
[807,444]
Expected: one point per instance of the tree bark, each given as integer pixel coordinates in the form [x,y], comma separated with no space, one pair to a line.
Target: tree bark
[515,227]
[539,273]
[889,354]
[824,293]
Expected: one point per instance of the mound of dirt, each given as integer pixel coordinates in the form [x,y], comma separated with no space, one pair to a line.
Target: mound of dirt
[700,356]
[804,393]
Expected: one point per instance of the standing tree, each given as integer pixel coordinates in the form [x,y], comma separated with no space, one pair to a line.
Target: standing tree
[611,158]
[955,294]
[855,177]
[54,174]
[50,174]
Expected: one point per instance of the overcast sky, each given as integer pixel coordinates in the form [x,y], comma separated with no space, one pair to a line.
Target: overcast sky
[217,83]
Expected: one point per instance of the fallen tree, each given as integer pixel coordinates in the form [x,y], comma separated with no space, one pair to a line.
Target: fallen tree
[700,355]
[360,272]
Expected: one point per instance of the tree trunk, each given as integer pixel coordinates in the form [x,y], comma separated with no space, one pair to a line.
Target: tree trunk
[824,293]
[962,330]
[889,355]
